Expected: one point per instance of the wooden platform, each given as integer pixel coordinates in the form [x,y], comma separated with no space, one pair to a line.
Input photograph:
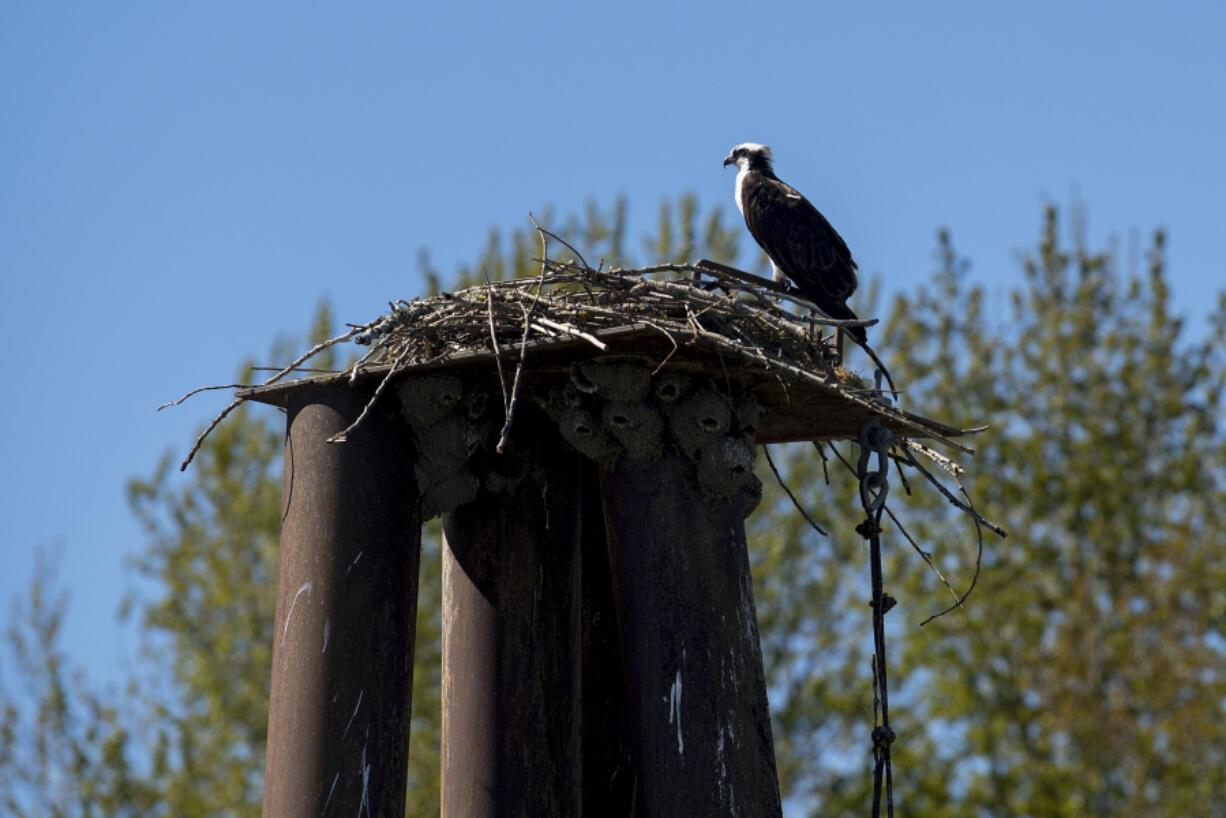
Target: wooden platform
[816,407]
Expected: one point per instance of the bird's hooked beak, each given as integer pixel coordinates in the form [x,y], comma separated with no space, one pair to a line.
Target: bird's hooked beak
[728,160]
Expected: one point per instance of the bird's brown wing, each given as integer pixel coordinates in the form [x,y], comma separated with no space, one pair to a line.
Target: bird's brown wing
[799,239]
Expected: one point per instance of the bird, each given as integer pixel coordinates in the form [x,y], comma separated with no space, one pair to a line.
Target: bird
[800,243]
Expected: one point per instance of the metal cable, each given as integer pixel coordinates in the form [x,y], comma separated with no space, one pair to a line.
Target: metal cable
[874,486]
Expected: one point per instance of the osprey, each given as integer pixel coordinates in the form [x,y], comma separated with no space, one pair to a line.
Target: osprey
[798,240]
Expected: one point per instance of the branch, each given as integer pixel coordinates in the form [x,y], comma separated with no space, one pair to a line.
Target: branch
[230,407]
[278,376]
[502,380]
[343,435]
[967,507]
[924,555]
[562,241]
[791,496]
[204,389]
[523,341]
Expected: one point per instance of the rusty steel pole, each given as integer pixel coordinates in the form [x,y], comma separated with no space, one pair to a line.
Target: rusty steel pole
[512,642]
[338,728]
[699,721]
[608,766]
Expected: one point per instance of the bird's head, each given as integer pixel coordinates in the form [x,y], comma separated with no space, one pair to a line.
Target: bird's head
[749,156]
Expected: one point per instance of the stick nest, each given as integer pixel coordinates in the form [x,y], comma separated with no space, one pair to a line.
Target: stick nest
[573,301]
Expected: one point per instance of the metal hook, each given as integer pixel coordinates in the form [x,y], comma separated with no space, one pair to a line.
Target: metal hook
[874,485]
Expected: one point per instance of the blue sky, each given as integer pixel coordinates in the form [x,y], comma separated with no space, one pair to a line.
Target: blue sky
[180,183]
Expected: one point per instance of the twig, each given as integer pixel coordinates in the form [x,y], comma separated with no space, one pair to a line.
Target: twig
[788,491]
[205,389]
[906,484]
[980,523]
[714,304]
[278,369]
[573,330]
[708,266]
[839,455]
[281,373]
[988,524]
[523,341]
[790,292]
[278,376]
[502,379]
[974,578]
[821,452]
[230,407]
[880,366]
[320,347]
[940,459]
[357,365]
[671,352]
[343,435]
[561,240]
[924,555]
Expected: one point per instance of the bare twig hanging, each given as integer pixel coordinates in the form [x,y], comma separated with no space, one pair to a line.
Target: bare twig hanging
[779,478]
[204,389]
[523,341]
[502,379]
[343,435]
[310,353]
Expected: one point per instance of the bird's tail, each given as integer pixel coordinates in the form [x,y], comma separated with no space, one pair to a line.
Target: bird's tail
[856,332]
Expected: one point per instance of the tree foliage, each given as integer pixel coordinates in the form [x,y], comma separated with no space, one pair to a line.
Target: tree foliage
[1088,676]
[1085,675]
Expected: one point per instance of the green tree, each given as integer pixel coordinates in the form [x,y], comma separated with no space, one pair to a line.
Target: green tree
[1086,675]
[1089,675]
[64,748]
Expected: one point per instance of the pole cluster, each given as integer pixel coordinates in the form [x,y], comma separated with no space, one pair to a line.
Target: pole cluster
[600,642]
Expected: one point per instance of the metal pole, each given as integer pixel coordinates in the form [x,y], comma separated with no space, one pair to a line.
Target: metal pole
[512,633]
[338,728]
[469,761]
[699,721]
[608,763]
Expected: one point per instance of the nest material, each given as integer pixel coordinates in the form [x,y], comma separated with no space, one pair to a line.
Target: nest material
[736,318]
[569,301]
[720,320]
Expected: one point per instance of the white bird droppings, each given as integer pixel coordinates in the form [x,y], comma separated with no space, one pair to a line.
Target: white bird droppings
[306,586]
[674,711]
